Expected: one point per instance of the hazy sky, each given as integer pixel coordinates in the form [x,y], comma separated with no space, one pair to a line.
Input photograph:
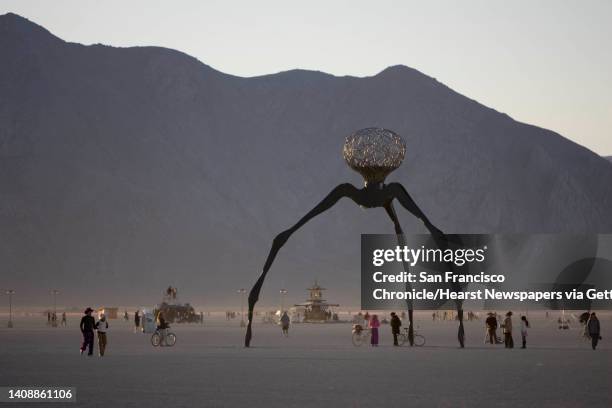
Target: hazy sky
[548,63]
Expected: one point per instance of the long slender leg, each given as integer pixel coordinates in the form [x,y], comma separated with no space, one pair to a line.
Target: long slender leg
[402,242]
[440,239]
[343,190]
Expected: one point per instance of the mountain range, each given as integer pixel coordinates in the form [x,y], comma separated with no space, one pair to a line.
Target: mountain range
[125,170]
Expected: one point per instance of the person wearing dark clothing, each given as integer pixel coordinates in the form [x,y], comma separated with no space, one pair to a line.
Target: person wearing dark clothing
[162,325]
[285,321]
[136,321]
[491,324]
[508,340]
[88,324]
[594,330]
[396,323]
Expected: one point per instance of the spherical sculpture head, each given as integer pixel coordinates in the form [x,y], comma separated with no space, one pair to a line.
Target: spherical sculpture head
[374,153]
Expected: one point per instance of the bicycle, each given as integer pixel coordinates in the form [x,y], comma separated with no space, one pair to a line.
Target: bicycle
[169,339]
[360,335]
[419,339]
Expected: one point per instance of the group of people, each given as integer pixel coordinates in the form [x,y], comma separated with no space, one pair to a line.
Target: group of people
[88,326]
[52,319]
[591,330]
[374,324]
[492,325]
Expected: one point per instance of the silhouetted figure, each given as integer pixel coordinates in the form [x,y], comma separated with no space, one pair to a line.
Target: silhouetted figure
[136,321]
[285,320]
[524,327]
[508,340]
[102,328]
[396,323]
[374,153]
[87,326]
[64,321]
[162,326]
[594,330]
[374,325]
[491,324]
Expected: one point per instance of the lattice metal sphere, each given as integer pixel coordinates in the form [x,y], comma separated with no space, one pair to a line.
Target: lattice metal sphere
[374,153]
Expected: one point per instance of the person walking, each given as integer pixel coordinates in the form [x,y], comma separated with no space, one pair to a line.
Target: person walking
[136,321]
[64,321]
[285,320]
[396,323]
[594,330]
[524,327]
[102,328]
[508,340]
[87,326]
[491,325]
[374,325]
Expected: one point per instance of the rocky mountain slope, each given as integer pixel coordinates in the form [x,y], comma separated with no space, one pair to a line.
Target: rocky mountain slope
[125,170]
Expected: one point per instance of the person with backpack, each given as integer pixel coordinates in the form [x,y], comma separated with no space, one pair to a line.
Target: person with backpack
[524,327]
[102,327]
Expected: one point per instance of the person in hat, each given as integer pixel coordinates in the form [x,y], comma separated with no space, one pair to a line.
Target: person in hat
[491,324]
[508,340]
[102,327]
[87,326]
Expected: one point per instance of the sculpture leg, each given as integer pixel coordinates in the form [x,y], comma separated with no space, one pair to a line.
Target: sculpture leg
[461,332]
[411,327]
[343,190]
[401,242]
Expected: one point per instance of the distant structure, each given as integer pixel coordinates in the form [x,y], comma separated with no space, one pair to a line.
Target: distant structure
[316,309]
[175,311]
[109,312]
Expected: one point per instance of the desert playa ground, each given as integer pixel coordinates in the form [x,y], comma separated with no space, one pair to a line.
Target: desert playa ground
[317,366]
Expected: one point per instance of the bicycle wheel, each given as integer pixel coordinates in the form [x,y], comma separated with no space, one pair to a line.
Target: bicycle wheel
[358,339]
[402,338]
[419,340]
[170,339]
[155,339]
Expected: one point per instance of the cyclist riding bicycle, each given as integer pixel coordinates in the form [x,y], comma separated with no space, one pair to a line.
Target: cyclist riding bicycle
[162,327]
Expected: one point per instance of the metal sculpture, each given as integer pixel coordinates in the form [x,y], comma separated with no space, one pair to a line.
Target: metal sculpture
[373,153]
